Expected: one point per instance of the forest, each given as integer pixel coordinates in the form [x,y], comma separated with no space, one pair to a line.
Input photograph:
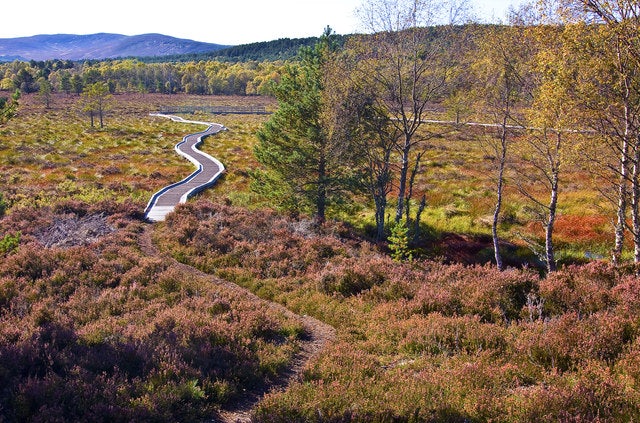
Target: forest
[280,49]
[435,222]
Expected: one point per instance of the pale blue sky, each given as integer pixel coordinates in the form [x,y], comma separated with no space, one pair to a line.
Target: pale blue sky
[229,22]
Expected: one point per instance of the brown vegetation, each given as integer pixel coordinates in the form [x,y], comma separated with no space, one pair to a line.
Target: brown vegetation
[426,341]
[99,331]
[89,318]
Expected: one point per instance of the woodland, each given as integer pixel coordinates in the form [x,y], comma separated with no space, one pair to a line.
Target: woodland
[433,223]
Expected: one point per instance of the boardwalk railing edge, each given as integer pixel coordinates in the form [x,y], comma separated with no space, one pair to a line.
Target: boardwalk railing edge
[216,110]
[207,184]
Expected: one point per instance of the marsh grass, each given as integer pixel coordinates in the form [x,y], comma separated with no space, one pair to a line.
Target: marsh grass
[51,155]
[234,148]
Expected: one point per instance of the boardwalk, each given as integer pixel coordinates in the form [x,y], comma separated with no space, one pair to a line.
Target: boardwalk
[216,110]
[208,170]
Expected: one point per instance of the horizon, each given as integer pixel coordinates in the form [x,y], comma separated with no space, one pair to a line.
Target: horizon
[243,22]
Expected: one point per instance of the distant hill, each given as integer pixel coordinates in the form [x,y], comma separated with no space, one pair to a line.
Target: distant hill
[281,49]
[98,46]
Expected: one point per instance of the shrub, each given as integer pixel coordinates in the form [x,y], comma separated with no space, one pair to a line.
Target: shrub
[399,242]
[349,277]
[419,341]
[9,243]
[584,289]
[101,333]
[592,394]
[3,205]
[483,291]
[437,334]
[627,295]
[567,342]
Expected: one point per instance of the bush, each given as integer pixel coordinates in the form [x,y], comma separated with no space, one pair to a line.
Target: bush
[350,277]
[425,341]
[99,332]
[584,289]
[482,291]
[399,242]
[3,205]
[9,243]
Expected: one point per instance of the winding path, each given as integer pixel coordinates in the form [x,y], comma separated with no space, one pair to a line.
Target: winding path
[208,170]
[319,334]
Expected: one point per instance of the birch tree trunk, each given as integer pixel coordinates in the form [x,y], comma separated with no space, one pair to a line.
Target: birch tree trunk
[548,233]
[635,203]
[499,189]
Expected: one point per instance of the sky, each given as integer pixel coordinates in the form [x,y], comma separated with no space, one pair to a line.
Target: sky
[227,22]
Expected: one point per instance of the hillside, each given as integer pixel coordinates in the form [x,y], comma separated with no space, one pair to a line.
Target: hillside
[280,49]
[98,46]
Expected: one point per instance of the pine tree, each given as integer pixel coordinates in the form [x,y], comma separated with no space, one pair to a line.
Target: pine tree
[44,92]
[399,242]
[8,107]
[96,101]
[305,166]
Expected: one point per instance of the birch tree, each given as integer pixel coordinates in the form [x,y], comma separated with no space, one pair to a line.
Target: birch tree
[609,43]
[548,145]
[501,86]
[408,72]
[372,135]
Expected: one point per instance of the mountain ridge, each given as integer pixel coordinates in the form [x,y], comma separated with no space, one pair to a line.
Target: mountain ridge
[98,46]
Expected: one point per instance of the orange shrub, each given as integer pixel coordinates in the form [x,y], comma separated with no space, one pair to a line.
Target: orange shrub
[582,229]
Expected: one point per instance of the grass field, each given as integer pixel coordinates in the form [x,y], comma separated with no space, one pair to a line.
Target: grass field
[48,155]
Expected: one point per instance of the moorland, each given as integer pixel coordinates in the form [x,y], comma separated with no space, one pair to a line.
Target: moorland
[106,317]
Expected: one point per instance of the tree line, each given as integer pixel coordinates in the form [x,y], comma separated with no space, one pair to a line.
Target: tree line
[270,51]
[560,85]
[132,75]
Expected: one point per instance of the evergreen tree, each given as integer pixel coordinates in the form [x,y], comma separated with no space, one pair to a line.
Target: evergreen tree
[399,242]
[44,92]
[8,107]
[305,162]
[24,81]
[65,83]
[76,84]
[96,101]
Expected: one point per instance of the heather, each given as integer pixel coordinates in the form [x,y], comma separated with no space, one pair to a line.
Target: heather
[424,340]
[94,329]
